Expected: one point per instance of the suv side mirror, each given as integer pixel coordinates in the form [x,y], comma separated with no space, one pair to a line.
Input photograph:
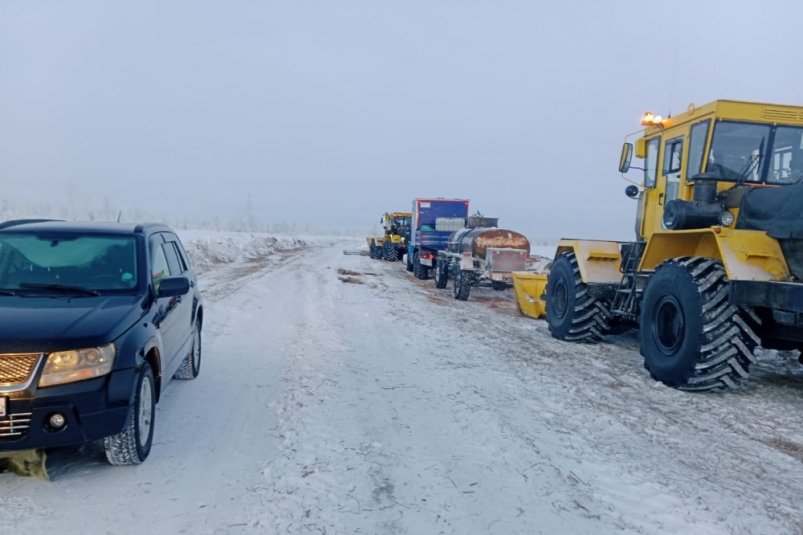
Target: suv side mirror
[174,286]
[626,157]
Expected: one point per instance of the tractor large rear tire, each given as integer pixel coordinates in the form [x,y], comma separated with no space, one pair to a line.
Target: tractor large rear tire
[389,251]
[462,285]
[692,337]
[441,274]
[572,313]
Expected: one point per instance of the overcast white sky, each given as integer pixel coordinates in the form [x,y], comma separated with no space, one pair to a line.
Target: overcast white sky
[333,112]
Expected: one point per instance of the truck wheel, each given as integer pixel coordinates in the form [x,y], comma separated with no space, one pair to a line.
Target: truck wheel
[692,337]
[420,271]
[462,285]
[133,444]
[441,274]
[572,314]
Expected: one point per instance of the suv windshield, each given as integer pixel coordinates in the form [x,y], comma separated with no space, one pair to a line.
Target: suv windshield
[761,153]
[57,262]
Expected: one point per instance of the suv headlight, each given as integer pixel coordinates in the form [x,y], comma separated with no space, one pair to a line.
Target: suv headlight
[77,365]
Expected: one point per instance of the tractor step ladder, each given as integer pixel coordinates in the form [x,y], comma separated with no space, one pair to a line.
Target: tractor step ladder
[626,299]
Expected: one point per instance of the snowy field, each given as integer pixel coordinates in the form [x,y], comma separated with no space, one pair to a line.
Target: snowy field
[340,395]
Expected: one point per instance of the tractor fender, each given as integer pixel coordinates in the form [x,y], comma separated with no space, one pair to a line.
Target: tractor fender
[597,260]
[748,255]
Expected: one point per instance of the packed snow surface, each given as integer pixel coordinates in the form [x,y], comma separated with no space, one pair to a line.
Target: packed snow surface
[340,395]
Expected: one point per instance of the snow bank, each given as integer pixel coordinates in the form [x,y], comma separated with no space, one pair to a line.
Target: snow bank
[209,248]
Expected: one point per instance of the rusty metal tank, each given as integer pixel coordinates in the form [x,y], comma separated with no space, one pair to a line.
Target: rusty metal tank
[479,239]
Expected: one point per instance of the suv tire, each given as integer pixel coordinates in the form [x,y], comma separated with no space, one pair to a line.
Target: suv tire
[133,444]
[191,365]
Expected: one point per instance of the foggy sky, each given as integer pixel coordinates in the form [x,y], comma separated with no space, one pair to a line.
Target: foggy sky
[329,113]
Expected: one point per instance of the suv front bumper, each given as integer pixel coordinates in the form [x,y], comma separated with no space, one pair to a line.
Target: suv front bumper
[92,410]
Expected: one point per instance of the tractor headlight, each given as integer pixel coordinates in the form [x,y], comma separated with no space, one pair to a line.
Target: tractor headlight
[77,365]
[726,218]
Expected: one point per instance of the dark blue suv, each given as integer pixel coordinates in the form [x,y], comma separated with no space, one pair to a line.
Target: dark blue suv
[95,318]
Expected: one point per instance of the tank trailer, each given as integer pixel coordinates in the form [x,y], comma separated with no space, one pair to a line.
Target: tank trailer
[481,255]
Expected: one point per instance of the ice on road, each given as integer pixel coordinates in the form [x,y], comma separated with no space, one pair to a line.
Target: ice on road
[340,395]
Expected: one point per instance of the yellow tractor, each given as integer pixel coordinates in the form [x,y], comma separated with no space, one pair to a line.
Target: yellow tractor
[716,268]
[393,244]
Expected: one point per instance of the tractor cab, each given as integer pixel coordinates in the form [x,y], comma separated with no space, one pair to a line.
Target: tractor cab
[398,224]
[698,165]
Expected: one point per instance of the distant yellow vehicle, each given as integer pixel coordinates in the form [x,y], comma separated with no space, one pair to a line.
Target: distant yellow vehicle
[717,264]
[393,244]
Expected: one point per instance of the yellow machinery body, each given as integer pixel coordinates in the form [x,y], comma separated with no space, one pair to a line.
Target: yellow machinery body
[671,159]
[530,293]
[716,267]
[397,228]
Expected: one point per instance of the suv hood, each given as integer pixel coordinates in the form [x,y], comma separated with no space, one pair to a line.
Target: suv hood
[42,324]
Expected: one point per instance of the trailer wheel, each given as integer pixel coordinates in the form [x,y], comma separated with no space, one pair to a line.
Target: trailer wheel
[441,274]
[462,285]
[498,285]
[572,313]
[419,270]
[692,337]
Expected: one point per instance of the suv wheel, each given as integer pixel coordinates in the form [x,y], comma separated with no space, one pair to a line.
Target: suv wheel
[191,365]
[133,444]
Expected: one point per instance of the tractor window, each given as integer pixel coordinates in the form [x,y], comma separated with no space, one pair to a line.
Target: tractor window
[673,150]
[699,132]
[737,151]
[786,164]
[651,163]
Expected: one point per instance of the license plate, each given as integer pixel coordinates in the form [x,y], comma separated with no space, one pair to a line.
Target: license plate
[3,406]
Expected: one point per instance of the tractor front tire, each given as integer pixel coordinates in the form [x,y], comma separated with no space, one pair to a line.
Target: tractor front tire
[692,337]
[374,251]
[572,313]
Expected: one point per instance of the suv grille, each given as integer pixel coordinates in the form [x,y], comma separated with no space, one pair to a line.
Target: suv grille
[16,369]
[15,425]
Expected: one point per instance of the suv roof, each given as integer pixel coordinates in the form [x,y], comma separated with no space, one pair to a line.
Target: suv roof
[102,227]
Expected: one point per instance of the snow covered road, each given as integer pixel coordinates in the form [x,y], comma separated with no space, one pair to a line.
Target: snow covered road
[340,395]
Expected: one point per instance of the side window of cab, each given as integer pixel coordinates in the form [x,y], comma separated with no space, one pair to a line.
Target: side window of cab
[159,265]
[175,257]
[651,163]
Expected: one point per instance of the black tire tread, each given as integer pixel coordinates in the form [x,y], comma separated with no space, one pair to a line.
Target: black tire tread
[591,317]
[728,341]
[121,449]
[186,371]
[441,275]
[462,285]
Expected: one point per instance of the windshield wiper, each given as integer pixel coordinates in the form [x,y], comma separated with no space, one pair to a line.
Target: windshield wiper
[59,288]
[751,164]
